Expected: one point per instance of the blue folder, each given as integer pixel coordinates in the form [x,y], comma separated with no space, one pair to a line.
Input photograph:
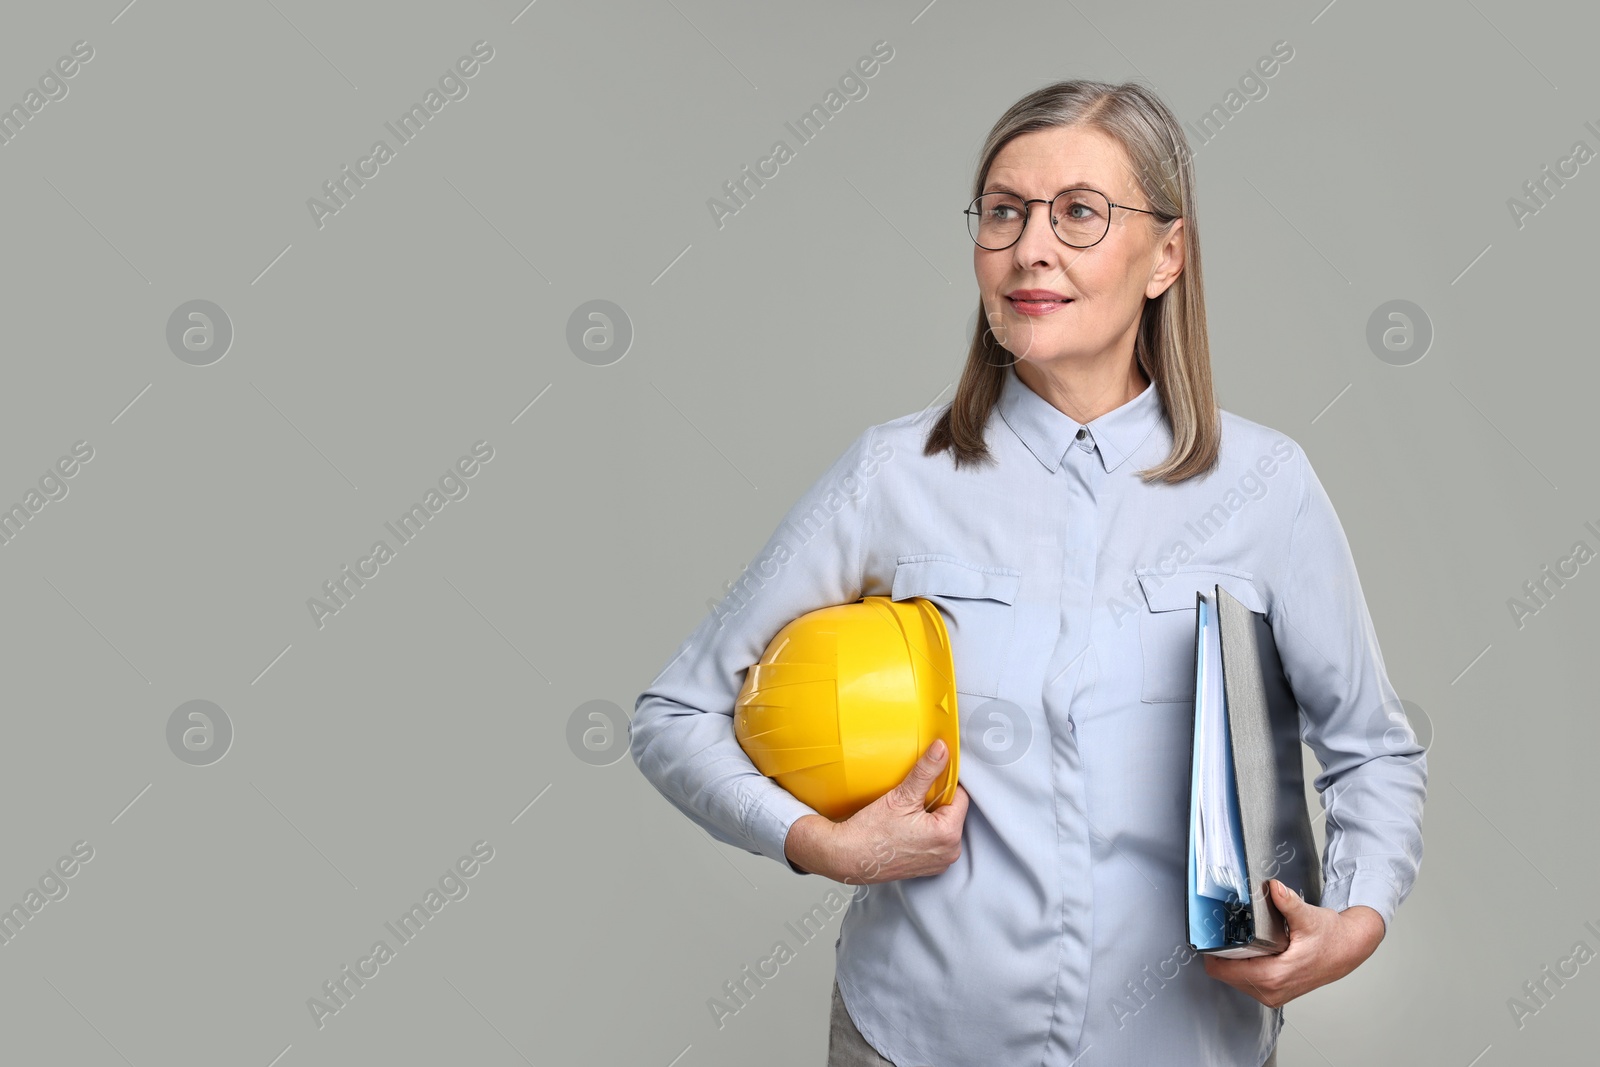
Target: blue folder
[1260,812]
[1209,916]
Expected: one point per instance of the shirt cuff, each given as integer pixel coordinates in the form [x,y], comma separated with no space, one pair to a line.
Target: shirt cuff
[770,820]
[1364,887]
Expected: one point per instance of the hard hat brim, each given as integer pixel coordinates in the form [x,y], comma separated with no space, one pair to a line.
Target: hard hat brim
[943,713]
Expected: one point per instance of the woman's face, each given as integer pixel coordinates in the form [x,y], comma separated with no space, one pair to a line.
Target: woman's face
[1104,286]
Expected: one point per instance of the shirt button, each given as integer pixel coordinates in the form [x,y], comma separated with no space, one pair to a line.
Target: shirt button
[1083,432]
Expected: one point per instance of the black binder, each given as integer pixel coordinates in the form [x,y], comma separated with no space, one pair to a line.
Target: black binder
[1269,801]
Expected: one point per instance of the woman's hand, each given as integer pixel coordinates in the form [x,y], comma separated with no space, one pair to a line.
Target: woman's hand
[893,837]
[1324,946]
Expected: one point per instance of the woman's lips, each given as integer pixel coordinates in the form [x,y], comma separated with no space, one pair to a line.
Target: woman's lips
[1038,307]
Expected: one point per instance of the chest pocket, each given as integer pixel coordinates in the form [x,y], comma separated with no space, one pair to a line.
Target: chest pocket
[976,603]
[1166,627]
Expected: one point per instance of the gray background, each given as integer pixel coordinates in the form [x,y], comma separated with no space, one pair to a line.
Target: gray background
[436,709]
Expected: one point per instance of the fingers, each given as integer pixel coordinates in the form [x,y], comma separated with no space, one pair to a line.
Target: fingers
[914,790]
[956,810]
[924,842]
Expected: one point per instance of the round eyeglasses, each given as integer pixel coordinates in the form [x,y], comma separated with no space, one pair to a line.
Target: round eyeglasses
[1080,218]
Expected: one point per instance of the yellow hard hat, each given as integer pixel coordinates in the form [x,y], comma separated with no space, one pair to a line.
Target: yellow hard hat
[847,698]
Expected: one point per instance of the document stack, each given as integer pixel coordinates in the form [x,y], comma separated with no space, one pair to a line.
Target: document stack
[1248,820]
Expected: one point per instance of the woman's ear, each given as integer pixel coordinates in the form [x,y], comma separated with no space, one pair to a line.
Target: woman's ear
[1168,261]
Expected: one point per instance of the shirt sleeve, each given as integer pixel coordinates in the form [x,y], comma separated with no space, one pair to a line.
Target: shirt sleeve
[682,736]
[1374,772]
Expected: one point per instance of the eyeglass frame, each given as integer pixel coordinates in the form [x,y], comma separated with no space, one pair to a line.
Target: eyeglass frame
[1028,215]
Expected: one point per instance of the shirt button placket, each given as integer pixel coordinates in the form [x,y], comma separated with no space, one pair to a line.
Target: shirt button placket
[1080,546]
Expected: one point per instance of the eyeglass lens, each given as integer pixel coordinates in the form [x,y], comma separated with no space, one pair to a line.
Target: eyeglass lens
[1080,218]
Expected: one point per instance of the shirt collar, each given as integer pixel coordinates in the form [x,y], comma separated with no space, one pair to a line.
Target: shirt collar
[1049,432]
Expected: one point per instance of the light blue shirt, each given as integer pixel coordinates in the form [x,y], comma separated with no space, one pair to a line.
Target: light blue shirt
[1068,589]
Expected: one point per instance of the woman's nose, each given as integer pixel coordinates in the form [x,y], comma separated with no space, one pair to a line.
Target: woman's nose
[1038,243]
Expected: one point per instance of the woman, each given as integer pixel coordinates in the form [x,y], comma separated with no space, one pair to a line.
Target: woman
[1062,512]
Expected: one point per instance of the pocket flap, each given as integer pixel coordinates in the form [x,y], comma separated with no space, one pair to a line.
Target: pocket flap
[1169,592]
[948,576]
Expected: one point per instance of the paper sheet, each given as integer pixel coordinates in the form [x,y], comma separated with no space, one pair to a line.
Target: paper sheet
[1219,839]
